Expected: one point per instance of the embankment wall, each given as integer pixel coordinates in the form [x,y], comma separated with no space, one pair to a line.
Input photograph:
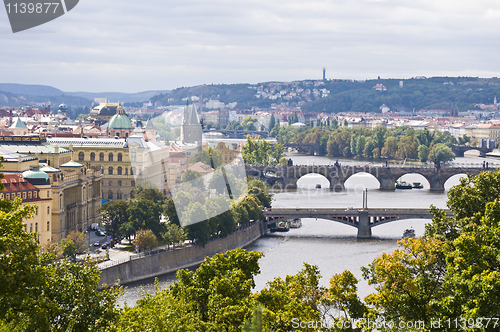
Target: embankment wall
[166,262]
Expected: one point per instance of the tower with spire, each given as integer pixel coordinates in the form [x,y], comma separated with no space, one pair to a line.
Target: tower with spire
[191,131]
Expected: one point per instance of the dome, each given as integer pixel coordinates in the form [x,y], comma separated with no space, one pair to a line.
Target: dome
[119,121]
[36,177]
[63,108]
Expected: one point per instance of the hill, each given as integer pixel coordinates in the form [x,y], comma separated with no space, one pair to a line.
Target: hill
[30,89]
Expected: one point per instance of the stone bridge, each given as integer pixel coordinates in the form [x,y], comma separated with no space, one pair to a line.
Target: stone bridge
[362,219]
[459,150]
[284,177]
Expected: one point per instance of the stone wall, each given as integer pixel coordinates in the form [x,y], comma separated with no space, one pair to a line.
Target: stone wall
[171,261]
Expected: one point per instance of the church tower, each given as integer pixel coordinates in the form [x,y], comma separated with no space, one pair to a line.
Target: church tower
[191,131]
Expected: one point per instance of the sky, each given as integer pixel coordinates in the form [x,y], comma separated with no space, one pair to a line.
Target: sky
[132,46]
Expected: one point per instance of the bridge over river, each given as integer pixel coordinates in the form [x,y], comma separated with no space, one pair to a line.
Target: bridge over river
[287,176]
[363,219]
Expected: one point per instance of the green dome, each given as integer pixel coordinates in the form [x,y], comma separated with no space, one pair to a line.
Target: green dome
[119,121]
[35,174]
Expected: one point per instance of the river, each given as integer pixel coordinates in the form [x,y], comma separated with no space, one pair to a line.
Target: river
[332,246]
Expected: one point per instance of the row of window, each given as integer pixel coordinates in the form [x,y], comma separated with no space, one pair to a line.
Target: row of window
[24,194]
[81,156]
[119,182]
[119,195]
[121,170]
[36,227]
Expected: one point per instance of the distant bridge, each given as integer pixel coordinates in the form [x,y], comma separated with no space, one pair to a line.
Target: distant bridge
[316,148]
[362,219]
[459,150]
[237,133]
[287,176]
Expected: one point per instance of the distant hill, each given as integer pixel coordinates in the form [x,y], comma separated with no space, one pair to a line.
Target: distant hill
[26,90]
[30,89]
[119,96]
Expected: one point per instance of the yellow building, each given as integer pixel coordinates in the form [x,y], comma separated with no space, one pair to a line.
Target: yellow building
[125,163]
[229,151]
[41,221]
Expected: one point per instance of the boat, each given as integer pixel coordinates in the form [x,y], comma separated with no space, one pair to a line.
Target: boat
[410,232]
[282,226]
[417,185]
[318,186]
[403,185]
[295,223]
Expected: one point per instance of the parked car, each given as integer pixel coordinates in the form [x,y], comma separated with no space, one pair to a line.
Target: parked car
[104,246]
[97,243]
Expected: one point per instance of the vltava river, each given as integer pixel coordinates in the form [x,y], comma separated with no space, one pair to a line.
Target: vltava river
[332,246]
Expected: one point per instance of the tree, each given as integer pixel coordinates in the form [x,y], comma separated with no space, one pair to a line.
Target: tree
[194,178]
[256,151]
[277,154]
[68,248]
[114,215]
[80,241]
[423,153]
[173,234]
[441,153]
[209,156]
[390,147]
[250,123]
[146,239]
[342,296]
[144,214]
[272,122]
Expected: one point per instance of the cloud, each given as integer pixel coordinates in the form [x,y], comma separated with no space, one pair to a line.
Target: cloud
[132,46]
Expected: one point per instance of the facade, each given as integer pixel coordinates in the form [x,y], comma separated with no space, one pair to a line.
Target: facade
[41,221]
[229,151]
[125,163]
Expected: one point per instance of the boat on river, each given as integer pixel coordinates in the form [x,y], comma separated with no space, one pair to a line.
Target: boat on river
[282,226]
[296,223]
[417,185]
[410,232]
[403,185]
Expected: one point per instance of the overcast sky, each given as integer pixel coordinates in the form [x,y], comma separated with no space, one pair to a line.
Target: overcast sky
[132,46]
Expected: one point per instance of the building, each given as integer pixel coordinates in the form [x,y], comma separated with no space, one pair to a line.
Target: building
[125,162]
[229,151]
[103,112]
[16,186]
[119,125]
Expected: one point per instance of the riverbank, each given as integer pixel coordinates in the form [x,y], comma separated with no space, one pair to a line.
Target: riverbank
[149,266]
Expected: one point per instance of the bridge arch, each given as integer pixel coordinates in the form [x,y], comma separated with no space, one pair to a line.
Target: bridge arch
[362,180]
[453,180]
[312,180]
[416,177]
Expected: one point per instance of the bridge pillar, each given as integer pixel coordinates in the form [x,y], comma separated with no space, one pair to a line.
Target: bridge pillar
[436,183]
[364,229]
[387,182]
[336,183]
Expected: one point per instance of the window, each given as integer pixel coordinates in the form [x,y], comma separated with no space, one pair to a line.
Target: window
[132,170]
[119,195]
[31,228]
[133,155]
[81,156]
[119,157]
[48,194]
[48,225]
[110,183]
[48,209]
[36,227]
[101,156]
[30,195]
[125,196]
[36,211]
[126,171]
[110,195]
[24,195]
[92,156]
[110,170]
[7,196]
[119,183]
[132,183]
[119,170]
[35,194]
[110,157]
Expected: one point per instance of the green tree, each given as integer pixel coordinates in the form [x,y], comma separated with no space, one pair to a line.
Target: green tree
[79,240]
[68,248]
[272,122]
[194,178]
[441,153]
[250,123]
[146,239]
[113,216]
[390,147]
[256,151]
[208,156]
[173,234]
[144,214]
[423,153]
[360,146]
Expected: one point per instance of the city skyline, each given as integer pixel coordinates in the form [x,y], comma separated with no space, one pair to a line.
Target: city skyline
[133,46]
